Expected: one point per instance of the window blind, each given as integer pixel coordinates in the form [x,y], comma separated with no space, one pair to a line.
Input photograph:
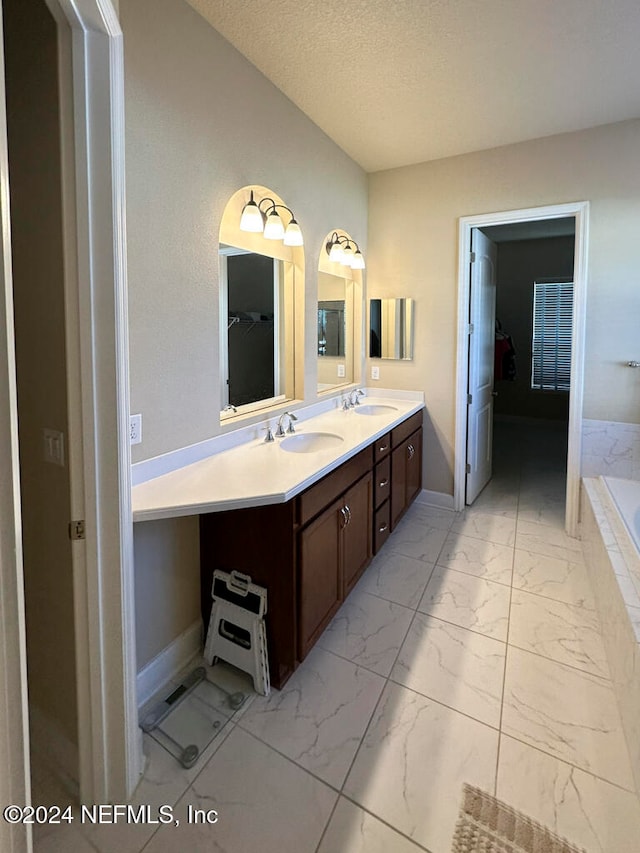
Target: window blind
[552,322]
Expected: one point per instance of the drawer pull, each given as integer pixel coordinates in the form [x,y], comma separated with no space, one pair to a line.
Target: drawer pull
[411,451]
[383,447]
[343,513]
[383,528]
[346,506]
[383,483]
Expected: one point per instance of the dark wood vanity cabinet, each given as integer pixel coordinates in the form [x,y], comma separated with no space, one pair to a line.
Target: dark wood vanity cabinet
[333,551]
[311,551]
[406,466]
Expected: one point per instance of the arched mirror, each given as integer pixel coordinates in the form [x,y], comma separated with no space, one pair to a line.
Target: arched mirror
[339,313]
[261,303]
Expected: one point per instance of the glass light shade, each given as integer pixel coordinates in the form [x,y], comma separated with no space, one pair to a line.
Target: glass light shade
[357,262]
[293,234]
[347,255]
[273,229]
[335,253]
[251,218]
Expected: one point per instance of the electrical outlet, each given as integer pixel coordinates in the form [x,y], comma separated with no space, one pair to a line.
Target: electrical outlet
[375,372]
[341,373]
[135,429]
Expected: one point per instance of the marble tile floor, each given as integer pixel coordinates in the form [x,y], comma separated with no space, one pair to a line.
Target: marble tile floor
[469,651]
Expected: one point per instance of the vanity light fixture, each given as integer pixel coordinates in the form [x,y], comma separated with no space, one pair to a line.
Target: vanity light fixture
[344,251]
[267,220]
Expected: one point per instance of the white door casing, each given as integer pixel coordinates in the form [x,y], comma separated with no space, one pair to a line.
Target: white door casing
[580,211]
[110,743]
[482,318]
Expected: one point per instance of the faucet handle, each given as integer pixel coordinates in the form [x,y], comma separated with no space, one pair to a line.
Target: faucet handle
[269,434]
[346,404]
[292,418]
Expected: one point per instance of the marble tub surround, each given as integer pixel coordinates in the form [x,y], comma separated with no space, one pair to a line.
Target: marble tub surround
[239,469]
[612,567]
[610,449]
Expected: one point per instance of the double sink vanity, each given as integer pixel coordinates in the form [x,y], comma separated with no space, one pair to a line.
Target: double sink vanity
[302,514]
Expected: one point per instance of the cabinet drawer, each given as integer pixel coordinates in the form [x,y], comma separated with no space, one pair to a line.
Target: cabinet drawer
[381,447]
[404,430]
[318,496]
[382,526]
[382,484]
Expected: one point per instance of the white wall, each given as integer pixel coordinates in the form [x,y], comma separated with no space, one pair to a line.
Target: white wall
[417,208]
[202,122]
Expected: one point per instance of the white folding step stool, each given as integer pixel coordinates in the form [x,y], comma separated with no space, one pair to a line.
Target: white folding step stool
[236,631]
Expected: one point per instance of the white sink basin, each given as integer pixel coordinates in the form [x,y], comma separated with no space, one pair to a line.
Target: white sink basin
[374,409]
[310,442]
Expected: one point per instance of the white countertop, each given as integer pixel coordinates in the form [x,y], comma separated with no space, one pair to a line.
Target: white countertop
[257,473]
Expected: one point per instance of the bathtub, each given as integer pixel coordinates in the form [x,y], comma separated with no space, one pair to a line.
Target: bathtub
[610,532]
[626,496]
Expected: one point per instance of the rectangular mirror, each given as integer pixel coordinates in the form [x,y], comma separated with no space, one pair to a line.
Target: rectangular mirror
[331,327]
[391,328]
[335,331]
[256,340]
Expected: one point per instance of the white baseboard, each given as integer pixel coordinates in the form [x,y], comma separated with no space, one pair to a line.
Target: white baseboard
[438,499]
[171,660]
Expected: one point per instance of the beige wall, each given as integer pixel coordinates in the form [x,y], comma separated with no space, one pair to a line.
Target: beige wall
[413,240]
[202,122]
[519,264]
[36,224]
[167,561]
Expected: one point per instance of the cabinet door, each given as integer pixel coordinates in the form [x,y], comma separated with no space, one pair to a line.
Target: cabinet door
[398,482]
[414,466]
[319,575]
[406,474]
[356,533]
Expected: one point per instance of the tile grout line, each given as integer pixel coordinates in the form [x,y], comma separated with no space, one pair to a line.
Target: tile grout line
[504,672]
[564,761]
[387,682]
[577,669]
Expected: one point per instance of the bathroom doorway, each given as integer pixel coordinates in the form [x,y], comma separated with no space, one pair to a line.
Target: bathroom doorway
[508,227]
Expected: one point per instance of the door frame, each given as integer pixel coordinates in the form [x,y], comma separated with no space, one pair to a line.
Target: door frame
[15,781]
[579,210]
[110,745]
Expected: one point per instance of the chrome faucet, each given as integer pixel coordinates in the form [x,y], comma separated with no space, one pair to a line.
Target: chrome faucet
[354,397]
[280,429]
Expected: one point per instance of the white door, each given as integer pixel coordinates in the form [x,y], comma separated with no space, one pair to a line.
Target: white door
[482,317]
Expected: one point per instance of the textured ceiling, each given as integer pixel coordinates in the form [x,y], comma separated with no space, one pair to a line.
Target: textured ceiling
[394,83]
